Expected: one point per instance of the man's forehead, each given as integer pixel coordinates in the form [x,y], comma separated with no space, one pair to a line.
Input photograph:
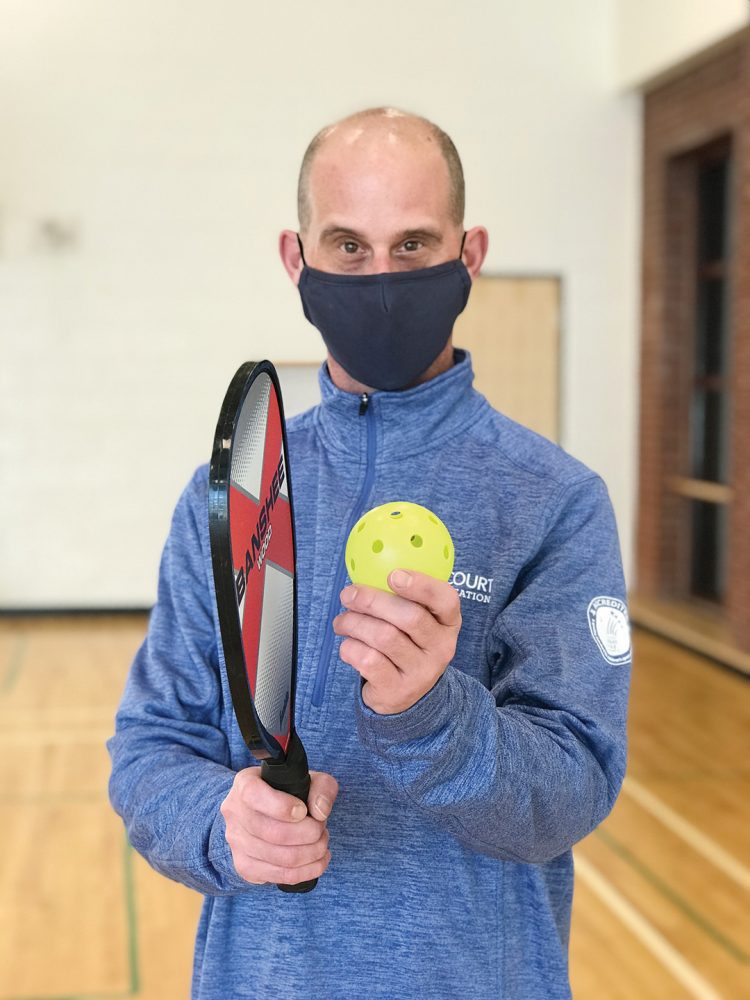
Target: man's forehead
[379,204]
[340,164]
[410,171]
[381,155]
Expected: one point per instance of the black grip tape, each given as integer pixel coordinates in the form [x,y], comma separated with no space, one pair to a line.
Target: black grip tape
[292,776]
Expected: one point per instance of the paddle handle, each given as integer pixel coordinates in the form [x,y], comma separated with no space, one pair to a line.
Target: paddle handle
[292,776]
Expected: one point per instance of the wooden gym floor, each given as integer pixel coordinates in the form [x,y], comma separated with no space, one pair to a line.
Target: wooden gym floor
[662,891]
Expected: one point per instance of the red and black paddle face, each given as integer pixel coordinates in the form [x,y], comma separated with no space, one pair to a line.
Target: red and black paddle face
[252,547]
[251,526]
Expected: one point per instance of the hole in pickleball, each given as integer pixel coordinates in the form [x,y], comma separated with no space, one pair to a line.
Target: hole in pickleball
[446,553]
[377,546]
[396,513]
[360,526]
[431,518]
[416,541]
[353,565]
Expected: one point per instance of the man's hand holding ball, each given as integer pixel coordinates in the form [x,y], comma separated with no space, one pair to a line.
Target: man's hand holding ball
[402,617]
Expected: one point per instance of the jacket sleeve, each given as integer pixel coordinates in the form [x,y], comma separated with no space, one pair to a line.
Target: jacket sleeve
[169,755]
[523,771]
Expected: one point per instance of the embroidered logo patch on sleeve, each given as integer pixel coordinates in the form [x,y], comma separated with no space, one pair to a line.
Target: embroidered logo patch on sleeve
[608,621]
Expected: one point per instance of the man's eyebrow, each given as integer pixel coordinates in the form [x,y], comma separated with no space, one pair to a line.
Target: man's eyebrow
[330,231]
[429,235]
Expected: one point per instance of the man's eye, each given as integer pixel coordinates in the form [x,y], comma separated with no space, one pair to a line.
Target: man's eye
[412,245]
[349,246]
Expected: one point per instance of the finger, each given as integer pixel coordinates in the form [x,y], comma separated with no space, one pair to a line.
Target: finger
[276,831]
[279,855]
[380,635]
[239,810]
[258,795]
[438,596]
[243,821]
[323,792]
[260,872]
[412,619]
[369,663]
[409,616]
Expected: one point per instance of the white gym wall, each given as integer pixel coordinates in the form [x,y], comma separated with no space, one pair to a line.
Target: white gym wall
[149,158]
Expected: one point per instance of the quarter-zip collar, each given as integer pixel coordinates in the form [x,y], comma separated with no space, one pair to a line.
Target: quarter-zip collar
[409,421]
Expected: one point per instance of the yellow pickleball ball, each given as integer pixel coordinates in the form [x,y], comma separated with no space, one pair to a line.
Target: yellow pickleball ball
[399,535]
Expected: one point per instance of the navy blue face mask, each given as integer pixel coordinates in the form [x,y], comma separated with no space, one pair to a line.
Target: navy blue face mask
[385,329]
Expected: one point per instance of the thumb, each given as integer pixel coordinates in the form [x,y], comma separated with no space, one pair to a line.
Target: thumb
[323,791]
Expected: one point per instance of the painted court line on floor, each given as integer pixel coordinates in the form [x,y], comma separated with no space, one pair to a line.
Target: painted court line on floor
[704,845]
[15,662]
[660,948]
[132,920]
[664,889]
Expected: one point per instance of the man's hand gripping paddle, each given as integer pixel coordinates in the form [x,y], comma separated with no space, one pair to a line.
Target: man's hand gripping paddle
[251,527]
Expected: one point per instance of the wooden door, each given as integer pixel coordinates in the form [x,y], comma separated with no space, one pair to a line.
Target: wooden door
[511,326]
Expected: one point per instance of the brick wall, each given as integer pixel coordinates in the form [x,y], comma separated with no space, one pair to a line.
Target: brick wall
[738,604]
[685,114]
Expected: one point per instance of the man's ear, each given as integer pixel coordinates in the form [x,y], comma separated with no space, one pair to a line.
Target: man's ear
[475,250]
[291,255]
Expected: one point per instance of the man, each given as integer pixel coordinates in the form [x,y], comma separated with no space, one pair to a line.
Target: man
[474,741]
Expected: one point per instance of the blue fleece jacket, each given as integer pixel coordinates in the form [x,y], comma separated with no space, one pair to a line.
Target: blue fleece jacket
[451,872]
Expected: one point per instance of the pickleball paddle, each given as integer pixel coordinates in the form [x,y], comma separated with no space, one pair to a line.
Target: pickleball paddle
[251,529]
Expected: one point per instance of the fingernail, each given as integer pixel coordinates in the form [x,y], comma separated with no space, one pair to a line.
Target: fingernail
[400,578]
[298,812]
[323,805]
[348,594]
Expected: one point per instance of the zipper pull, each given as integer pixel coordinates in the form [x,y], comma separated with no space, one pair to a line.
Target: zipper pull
[364,399]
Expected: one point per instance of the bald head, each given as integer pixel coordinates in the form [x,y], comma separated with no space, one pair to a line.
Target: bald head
[384,128]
